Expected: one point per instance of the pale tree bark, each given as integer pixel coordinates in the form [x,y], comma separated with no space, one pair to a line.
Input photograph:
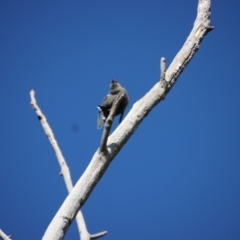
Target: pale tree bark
[104,155]
[3,236]
[65,173]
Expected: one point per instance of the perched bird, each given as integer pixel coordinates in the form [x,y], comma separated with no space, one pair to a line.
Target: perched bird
[104,109]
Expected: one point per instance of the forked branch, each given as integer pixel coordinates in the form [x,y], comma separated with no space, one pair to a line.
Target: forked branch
[64,168]
[120,136]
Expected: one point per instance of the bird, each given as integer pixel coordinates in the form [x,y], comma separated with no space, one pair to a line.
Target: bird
[104,109]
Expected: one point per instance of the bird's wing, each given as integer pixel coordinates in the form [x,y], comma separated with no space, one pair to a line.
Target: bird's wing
[108,101]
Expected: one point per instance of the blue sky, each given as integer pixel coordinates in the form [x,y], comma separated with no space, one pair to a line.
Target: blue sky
[178,176]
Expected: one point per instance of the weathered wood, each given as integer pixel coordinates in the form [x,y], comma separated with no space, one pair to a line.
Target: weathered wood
[116,141]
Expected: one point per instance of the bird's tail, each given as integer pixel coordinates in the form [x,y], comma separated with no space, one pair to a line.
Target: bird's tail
[101,118]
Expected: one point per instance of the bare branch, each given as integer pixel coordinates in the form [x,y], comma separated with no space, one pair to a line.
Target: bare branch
[3,236]
[163,68]
[63,166]
[120,136]
[48,131]
[108,123]
[163,82]
[98,235]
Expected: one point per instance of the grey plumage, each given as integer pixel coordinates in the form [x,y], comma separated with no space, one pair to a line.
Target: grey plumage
[104,109]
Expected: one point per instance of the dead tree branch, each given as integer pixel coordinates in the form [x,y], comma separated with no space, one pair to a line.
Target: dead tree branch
[100,162]
[64,168]
[3,236]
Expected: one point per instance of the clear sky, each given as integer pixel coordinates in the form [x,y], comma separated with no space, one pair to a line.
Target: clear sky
[178,176]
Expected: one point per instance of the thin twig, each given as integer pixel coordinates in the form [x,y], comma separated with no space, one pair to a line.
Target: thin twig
[98,235]
[163,68]
[163,82]
[64,168]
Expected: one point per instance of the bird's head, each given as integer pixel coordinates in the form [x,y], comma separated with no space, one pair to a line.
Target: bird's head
[114,85]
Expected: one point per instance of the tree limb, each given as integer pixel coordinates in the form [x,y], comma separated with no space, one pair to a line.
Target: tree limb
[3,236]
[65,173]
[120,136]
